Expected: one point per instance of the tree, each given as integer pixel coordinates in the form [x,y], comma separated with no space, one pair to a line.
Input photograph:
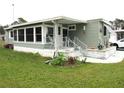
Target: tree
[118,24]
[15,23]
[2,30]
[19,21]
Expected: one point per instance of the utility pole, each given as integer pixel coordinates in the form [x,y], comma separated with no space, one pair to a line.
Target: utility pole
[13,12]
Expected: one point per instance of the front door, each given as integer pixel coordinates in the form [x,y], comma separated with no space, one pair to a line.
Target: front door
[60,37]
[65,35]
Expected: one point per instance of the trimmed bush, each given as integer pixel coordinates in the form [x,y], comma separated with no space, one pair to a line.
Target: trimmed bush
[9,46]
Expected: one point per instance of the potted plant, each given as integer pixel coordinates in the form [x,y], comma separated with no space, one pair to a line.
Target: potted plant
[100,46]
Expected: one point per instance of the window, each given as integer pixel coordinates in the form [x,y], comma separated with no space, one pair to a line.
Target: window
[72,27]
[50,31]
[105,31]
[49,35]
[84,27]
[29,34]
[65,34]
[121,35]
[38,34]
[21,35]
[15,35]
[11,34]
[59,30]
[122,40]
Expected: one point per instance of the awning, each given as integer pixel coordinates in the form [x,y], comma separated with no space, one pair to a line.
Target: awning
[60,20]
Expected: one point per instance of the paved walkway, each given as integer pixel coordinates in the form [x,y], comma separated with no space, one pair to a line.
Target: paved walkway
[115,58]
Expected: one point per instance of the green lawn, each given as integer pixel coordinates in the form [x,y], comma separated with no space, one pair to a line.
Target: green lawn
[28,70]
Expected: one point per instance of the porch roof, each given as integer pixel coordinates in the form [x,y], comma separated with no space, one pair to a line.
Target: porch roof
[59,19]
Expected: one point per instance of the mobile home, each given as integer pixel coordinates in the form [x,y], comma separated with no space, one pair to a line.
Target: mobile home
[59,34]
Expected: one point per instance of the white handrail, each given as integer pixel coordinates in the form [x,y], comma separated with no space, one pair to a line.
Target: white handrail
[69,40]
[80,43]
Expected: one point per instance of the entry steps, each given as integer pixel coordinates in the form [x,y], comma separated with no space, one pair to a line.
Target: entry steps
[71,52]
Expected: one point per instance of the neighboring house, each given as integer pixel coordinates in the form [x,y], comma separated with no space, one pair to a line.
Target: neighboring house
[2,34]
[58,33]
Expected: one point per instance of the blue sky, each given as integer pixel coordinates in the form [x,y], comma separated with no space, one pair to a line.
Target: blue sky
[32,10]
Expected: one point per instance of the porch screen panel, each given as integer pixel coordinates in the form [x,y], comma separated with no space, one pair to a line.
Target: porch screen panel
[49,35]
[65,34]
[29,35]
[15,35]
[21,34]
[38,34]
[11,33]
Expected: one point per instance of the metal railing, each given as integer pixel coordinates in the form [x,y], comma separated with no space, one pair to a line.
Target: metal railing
[76,44]
[67,42]
[80,43]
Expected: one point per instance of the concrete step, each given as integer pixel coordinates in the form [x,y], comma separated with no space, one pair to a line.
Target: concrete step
[72,53]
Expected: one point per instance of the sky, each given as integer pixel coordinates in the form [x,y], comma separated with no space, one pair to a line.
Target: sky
[33,10]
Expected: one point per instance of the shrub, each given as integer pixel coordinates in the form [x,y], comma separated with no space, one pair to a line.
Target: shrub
[10,46]
[59,60]
[84,60]
[100,47]
[71,61]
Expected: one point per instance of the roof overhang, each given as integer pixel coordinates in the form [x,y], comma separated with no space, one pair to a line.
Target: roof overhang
[102,20]
[106,22]
[64,20]
[59,20]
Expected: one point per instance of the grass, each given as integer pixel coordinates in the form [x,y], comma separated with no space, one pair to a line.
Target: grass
[18,69]
[2,43]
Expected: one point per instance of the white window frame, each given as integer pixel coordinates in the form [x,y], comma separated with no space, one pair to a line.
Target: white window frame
[25,34]
[41,34]
[10,34]
[47,31]
[34,33]
[71,26]
[16,35]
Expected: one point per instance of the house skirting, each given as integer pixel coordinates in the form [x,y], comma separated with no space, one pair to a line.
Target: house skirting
[42,52]
[90,53]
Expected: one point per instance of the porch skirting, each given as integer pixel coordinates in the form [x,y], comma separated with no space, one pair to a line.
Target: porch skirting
[108,56]
[42,52]
[101,54]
